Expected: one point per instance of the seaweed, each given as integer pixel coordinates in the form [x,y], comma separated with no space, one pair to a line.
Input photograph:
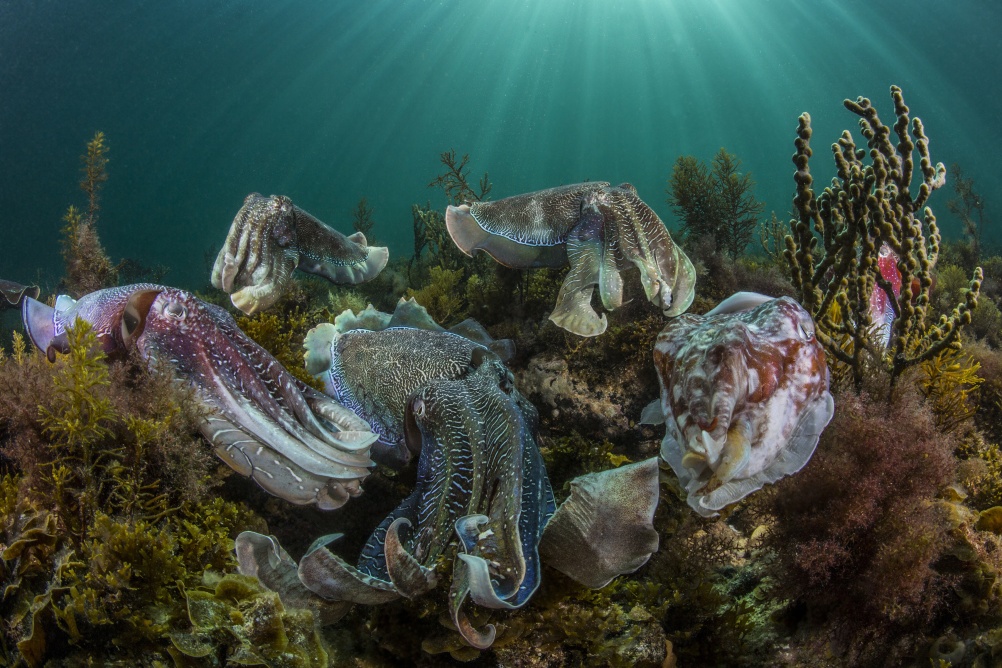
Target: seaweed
[105,518]
[88,267]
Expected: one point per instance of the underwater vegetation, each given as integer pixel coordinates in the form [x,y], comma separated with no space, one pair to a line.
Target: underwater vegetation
[88,267]
[717,202]
[118,525]
[865,221]
[108,528]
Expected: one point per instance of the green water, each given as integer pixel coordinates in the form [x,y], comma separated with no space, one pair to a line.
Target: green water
[329,101]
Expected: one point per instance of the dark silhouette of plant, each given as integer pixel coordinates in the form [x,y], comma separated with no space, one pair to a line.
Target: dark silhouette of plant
[969,207]
[454,181]
[715,201]
[361,218]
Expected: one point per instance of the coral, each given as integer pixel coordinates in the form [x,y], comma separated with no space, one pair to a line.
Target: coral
[716,202]
[868,207]
[857,533]
[87,265]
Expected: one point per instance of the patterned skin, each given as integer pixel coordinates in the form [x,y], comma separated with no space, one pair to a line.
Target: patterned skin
[450,399]
[480,474]
[600,230]
[744,397]
[444,395]
[271,237]
[292,440]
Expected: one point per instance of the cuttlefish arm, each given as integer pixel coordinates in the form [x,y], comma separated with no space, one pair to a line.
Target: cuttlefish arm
[744,397]
[270,237]
[262,557]
[12,294]
[262,421]
[599,230]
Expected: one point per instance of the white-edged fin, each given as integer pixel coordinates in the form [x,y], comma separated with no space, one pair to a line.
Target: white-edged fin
[369,318]
[38,322]
[408,313]
[653,413]
[605,528]
[65,303]
[739,301]
[317,345]
[375,260]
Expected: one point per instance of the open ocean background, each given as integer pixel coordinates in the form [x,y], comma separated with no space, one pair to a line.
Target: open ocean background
[329,101]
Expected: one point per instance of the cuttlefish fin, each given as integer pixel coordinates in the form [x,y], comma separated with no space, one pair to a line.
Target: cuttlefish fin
[739,301]
[317,345]
[262,557]
[474,331]
[606,526]
[38,319]
[469,236]
[653,413]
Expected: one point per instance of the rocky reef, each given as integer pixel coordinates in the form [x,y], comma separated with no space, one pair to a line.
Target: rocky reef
[117,523]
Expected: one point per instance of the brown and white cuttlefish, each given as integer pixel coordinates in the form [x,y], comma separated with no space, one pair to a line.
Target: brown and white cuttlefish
[744,397]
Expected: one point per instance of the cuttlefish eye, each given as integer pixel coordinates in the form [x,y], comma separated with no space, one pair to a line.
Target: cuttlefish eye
[806,333]
[175,310]
[507,382]
[418,407]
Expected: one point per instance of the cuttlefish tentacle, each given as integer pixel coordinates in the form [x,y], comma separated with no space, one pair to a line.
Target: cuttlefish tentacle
[599,229]
[261,420]
[270,238]
[744,397]
[262,557]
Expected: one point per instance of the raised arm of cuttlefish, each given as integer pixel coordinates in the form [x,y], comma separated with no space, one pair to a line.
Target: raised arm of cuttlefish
[271,237]
[744,397]
[600,230]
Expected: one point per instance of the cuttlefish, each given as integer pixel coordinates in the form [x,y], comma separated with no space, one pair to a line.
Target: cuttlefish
[744,397]
[446,397]
[270,237]
[294,441]
[598,229]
